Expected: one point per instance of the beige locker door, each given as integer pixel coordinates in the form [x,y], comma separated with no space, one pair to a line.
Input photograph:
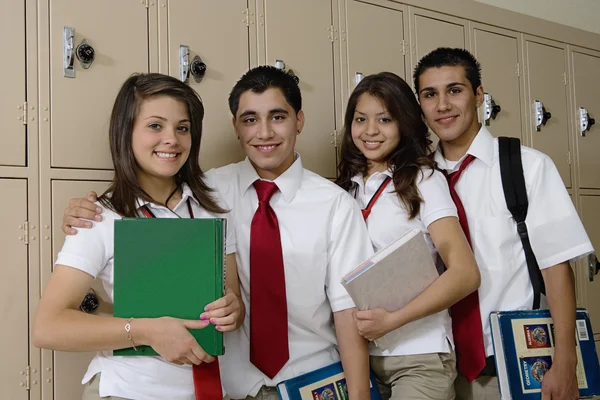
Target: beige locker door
[14,313]
[375,40]
[298,33]
[587,87]
[80,107]
[545,65]
[431,30]
[196,23]
[498,53]
[590,215]
[69,368]
[13,84]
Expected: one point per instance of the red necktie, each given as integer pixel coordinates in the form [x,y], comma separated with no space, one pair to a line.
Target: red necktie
[207,381]
[466,318]
[269,349]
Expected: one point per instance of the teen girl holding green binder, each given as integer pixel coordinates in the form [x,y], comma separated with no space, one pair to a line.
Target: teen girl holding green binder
[155,133]
[386,165]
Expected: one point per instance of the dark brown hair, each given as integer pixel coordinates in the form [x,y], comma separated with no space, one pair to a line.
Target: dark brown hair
[122,195]
[412,153]
[449,57]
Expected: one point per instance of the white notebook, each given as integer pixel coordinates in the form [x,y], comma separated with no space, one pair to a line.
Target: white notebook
[393,277]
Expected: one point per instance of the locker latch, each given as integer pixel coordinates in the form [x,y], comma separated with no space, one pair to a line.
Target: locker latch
[358,77]
[68,52]
[541,115]
[281,65]
[585,121]
[490,108]
[197,67]
[593,266]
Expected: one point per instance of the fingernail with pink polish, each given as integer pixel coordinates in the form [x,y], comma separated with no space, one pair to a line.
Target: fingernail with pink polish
[207,308]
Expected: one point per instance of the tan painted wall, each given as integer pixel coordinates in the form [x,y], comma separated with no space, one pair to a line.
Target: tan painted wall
[582,14]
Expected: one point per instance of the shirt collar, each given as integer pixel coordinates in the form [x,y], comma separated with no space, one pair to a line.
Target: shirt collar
[481,148]
[359,178]
[288,182]
[186,193]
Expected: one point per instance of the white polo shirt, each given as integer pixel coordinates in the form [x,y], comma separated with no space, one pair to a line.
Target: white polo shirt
[136,378]
[388,221]
[323,236]
[555,230]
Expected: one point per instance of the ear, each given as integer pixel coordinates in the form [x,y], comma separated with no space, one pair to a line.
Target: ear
[233,120]
[299,121]
[479,96]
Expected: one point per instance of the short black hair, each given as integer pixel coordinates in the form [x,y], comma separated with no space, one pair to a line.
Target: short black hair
[264,77]
[449,57]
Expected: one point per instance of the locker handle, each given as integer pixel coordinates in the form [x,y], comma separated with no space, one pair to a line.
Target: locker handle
[541,115]
[280,64]
[184,63]
[490,108]
[593,267]
[585,121]
[68,52]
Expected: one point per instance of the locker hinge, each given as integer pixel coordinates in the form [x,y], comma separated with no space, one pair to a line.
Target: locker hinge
[331,36]
[246,19]
[147,3]
[27,378]
[26,233]
[518,66]
[334,142]
[569,157]
[25,115]
[403,47]
[565,78]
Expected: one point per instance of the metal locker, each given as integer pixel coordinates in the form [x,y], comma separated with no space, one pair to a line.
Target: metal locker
[547,102]
[302,35]
[13,109]
[587,116]
[68,367]
[377,40]
[498,52]
[590,215]
[14,313]
[210,66]
[94,47]
[430,30]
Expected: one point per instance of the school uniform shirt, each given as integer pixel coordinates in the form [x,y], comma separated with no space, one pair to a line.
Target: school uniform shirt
[138,378]
[555,230]
[323,237]
[388,221]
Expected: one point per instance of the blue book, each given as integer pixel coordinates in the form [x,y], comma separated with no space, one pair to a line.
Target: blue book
[327,383]
[524,349]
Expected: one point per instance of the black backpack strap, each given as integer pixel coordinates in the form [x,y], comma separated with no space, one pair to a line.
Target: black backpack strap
[515,193]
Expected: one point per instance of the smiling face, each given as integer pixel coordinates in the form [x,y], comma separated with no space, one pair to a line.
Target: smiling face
[161,138]
[450,104]
[267,125]
[374,132]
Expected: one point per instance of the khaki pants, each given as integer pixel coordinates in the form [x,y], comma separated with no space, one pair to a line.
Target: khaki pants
[265,393]
[482,388]
[416,377]
[91,391]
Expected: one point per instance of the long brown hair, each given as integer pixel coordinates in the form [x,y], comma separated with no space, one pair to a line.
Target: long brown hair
[122,195]
[413,153]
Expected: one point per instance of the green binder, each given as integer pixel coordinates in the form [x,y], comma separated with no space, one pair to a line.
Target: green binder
[169,267]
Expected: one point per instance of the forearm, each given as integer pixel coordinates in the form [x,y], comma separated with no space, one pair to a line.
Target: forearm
[560,294]
[354,354]
[452,286]
[73,330]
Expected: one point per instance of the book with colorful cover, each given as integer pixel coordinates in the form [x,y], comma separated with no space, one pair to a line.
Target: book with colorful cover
[524,348]
[327,383]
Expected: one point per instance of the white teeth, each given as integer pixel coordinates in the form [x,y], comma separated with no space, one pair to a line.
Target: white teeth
[166,155]
[266,147]
[372,143]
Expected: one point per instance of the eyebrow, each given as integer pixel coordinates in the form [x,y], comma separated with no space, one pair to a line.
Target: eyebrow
[451,84]
[164,119]
[273,111]
[362,113]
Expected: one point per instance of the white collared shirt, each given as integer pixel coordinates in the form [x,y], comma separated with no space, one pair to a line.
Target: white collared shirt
[387,222]
[137,378]
[323,237]
[555,230]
